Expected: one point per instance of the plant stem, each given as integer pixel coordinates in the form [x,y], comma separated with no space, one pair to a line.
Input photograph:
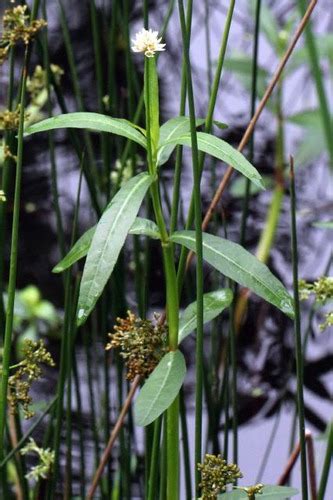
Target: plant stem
[252,111]
[198,241]
[172,307]
[327,464]
[153,473]
[298,338]
[13,266]
[208,127]
[317,75]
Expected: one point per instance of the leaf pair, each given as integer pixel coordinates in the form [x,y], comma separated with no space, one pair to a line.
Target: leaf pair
[172,133]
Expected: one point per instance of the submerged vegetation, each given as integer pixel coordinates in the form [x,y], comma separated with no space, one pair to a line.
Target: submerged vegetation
[144,397]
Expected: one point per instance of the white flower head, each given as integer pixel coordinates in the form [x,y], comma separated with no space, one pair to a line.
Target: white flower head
[147,41]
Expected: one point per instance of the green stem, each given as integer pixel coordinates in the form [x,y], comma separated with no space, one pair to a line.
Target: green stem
[317,75]
[172,303]
[153,473]
[298,339]
[186,451]
[208,128]
[199,253]
[13,266]
[252,111]
[268,234]
[327,464]
[179,149]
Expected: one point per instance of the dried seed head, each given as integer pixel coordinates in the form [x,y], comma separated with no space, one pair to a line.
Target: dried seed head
[142,344]
[9,120]
[46,460]
[26,372]
[17,27]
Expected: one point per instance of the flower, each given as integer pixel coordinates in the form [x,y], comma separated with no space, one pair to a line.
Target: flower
[147,41]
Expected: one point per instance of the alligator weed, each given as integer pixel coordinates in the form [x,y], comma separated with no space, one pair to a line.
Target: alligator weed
[125,345]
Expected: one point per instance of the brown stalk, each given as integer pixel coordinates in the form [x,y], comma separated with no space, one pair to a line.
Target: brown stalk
[312,466]
[113,437]
[207,218]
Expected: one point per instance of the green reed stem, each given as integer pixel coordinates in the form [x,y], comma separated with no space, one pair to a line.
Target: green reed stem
[6,175]
[76,88]
[26,436]
[179,149]
[254,77]
[298,337]
[269,447]
[327,464]
[314,59]
[54,176]
[80,427]
[186,450]
[98,54]
[208,127]
[13,266]
[234,402]
[154,461]
[198,240]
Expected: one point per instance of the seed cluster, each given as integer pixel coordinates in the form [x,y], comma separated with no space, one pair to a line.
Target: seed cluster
[46,460]
[17,27]
[322,290]
[37,82]
[26,372]
[142,344]
[216,473]
[9,120]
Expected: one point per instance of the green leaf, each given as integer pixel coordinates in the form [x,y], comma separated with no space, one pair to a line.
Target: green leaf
[80,248]
[308,118]
[237,188]
[92,121]
[313,143]
[268,493]
[311,147]
[324,44]
[145,227]
[241,266]
[223,151]
[220,125]
[241,65]
[214,303]
[171,129]
[160,389]
[233,495]
[324,224]
[268,23]
[108,241]
[77,252]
